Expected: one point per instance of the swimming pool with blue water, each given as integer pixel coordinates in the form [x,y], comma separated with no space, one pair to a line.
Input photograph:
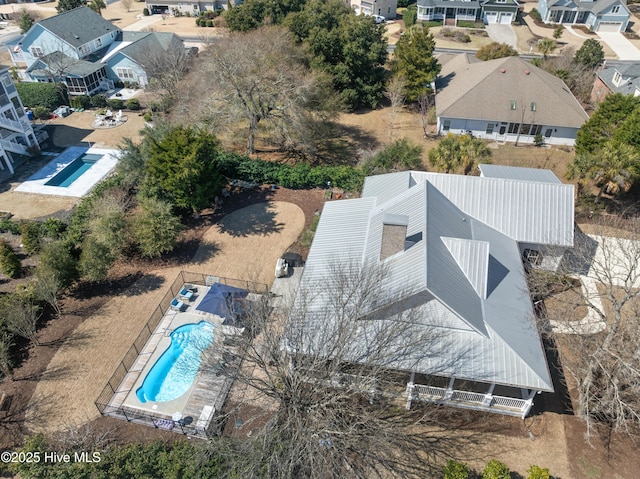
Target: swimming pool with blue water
[175,370]
[73,170]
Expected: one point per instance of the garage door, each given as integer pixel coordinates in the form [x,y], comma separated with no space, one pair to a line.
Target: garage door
[609,26]
[492,17]
[506,17]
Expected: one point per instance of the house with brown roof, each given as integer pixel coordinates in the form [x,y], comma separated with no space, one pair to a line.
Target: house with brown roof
[506,100]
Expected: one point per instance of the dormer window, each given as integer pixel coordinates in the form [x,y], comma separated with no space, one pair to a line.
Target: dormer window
[617,78]
[98,42]
[615,9]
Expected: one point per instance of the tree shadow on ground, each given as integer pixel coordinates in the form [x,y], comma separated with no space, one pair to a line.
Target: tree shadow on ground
[205,252]
[559,401]
[49,374]
[342,146]
[63,135]
[259,219]
[131,284]
[76,339]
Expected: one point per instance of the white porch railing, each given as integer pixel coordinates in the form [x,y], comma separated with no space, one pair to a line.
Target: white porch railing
[14,125]
[467,399]
[14,147]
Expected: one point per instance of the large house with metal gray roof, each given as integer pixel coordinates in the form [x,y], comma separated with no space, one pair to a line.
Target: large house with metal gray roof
[598,15]
[88,53]
[454,250]
[506,100]
[451,12]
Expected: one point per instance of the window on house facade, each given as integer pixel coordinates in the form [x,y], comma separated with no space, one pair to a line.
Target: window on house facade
[6,81]
[532,256]
[533,106]
[615,9]
[490,127]
[125,74]
[513,128]
[446,125]
[512,105]
[36,51]
[548,132]
[83,50]
[501,1]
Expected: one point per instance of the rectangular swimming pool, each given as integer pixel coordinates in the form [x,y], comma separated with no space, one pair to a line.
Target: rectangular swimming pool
[73,170]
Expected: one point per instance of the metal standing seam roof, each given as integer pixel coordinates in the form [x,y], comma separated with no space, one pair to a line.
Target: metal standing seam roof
[517,173]
[486,90]
[526,211]
[465,277]
[78,26]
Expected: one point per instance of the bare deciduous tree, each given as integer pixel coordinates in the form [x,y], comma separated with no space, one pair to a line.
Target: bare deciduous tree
[126,4]
[257,78]
[329,374]
[167,66]
[395,93]
[593,309]
[426,103]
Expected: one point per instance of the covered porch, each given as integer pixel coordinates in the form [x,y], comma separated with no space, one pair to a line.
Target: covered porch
[472,395]
[467,12]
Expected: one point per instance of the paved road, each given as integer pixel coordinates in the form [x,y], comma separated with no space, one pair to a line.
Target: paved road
[619,44]
[502,34]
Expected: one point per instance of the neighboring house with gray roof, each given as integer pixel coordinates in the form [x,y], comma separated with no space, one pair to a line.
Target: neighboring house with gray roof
[623,79]
[450,12]
[506,100]
[598,15]
[458,266]
[135,54]
[88,53]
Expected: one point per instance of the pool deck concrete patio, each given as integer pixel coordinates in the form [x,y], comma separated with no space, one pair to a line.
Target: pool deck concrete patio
[207,394]
[80,187]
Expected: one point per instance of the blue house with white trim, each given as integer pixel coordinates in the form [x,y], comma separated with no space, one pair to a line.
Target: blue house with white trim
[88,53]
[598,15]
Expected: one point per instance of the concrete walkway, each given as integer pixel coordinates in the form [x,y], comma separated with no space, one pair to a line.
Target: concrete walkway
[502,34]
[144,23]
[624,49]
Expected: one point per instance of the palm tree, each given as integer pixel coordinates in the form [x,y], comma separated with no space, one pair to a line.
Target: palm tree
[473,150]
[546,46]
[617,168]
[97,6]
[446,156]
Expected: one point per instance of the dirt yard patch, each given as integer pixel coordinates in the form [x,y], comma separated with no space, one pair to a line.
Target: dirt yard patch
[245,245]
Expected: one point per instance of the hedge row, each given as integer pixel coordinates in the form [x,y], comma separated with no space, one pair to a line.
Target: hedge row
[44,95]
[299,176]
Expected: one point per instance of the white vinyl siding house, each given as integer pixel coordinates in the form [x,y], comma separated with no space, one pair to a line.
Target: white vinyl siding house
[487,11]
[16,133]
[526,102]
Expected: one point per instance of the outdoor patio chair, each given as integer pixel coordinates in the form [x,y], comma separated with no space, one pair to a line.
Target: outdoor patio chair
[185,294]
[176,304]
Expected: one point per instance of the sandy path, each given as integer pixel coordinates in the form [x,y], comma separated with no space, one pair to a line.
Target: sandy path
[245,245]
